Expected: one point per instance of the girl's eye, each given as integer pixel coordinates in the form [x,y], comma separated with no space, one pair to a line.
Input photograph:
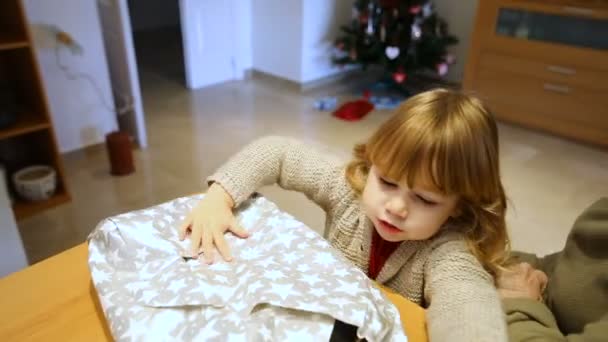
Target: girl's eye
[425,201]
[387,183]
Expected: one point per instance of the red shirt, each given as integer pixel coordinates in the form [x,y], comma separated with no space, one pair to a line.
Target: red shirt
[381,250]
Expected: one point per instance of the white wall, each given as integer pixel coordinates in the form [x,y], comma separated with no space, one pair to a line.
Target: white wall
[294,39]
[277,37]
[151,14]
[321,25]
[460,16]
[244,50]
[78,113]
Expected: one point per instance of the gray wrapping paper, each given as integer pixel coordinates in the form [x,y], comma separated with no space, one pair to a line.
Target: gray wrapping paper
[285,283]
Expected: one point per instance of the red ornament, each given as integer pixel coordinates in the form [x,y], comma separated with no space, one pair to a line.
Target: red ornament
[415,9]
[363,18]
[340,46]
[367,94]
[400,77]
[354,110]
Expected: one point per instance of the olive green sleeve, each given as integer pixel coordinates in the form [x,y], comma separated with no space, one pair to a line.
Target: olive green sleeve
[531,320]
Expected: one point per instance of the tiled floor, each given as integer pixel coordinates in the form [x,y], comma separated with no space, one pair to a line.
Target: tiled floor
[548,180]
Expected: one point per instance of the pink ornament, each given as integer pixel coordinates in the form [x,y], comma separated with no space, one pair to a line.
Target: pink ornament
[442,69]
[415,9]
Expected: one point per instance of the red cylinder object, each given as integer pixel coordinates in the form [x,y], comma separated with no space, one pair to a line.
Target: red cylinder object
[120,153]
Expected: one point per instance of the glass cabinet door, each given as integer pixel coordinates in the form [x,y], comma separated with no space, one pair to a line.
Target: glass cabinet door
[553,28]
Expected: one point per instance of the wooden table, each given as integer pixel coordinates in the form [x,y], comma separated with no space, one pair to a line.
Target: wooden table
[55,300]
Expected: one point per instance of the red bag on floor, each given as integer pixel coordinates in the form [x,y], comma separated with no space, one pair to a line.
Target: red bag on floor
[354,110]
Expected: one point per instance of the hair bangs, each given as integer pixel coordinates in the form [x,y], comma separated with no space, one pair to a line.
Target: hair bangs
[408,157]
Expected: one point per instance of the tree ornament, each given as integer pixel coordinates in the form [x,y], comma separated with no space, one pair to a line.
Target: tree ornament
[416,31]
[370,28]
[392,52]
[414,10]
[442,69]
[399,76]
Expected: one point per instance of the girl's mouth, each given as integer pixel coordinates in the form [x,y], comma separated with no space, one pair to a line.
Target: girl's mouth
[389,228]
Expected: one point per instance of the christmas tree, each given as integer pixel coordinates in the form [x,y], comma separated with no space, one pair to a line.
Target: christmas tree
[405,37]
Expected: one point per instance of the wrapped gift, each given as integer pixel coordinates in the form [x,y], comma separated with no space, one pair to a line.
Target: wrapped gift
[286,283]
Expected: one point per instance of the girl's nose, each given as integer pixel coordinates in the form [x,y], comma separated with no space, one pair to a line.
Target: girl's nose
[397,207]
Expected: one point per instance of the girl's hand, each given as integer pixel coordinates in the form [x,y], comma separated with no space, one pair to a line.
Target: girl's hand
[208,222]
[522,281]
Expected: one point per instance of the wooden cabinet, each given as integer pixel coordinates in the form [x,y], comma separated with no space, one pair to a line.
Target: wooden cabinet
[30,139]
[543,64]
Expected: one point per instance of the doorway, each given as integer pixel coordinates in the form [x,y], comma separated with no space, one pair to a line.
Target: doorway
[157,38]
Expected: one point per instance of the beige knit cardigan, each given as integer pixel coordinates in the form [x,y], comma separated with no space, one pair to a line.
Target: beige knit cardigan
[439,274]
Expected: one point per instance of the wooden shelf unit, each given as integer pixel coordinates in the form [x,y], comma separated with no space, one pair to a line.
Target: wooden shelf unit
[31,139]
[543,64]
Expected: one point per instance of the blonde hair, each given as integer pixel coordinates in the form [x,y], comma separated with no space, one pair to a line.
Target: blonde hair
[452,139]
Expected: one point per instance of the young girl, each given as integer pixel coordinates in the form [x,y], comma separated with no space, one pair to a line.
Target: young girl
[420,209]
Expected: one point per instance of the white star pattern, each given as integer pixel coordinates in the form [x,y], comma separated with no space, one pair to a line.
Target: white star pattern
[339,301]
[303,268]
[235,338]
[135,286]
[219,266]
[264,263]
[351,288]
[147,295]
[177,285]
[286,238]
[290,257]
[95,256]
[221,279]
[100,276]
[249,217]
[274,222]
[321,243]
[298,335]
[310,279]
[311,235]
[135,331]
[142,253]
[282,290]
[273,275]
[255,286]
[318,292]
[265,332]
[250,253]
[239,305]
[324,259]
[340,272]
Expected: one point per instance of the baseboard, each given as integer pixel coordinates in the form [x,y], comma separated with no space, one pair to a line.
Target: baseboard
[302,86]
[348,72]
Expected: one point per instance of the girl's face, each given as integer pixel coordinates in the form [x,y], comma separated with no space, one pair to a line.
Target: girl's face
[400,213]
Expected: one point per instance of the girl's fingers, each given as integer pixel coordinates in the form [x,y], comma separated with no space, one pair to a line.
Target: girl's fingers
[195,240]
[208,247]
[237,230]
[222,246]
